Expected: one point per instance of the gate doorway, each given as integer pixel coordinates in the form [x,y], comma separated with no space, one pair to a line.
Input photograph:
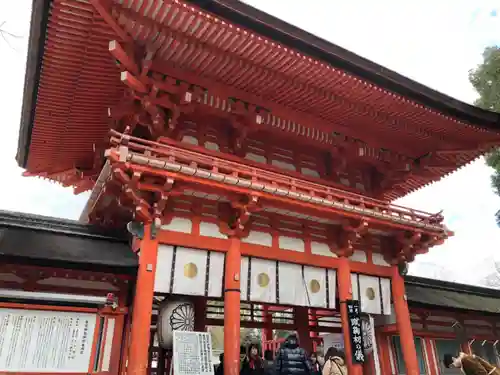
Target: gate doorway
[264,324]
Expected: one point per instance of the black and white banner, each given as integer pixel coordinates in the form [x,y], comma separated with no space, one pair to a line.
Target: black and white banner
[355,331]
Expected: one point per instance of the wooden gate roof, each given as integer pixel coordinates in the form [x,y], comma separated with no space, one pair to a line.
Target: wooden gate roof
[311,87]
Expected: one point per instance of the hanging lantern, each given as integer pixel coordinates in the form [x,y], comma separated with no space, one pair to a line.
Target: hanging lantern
[174,315]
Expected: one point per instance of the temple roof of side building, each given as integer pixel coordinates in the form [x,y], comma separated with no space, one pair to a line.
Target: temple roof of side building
[43,241]
[448,295]
[65,104]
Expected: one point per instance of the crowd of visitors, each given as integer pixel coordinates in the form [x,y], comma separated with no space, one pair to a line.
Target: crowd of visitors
[289,359]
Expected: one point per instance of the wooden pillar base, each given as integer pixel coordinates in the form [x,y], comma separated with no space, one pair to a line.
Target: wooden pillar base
[301,317]
[143,305]
[403,322]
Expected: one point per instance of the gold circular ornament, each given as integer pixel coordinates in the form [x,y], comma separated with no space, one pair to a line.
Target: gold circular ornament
[190,270]
[263,279]
[370,293]
[315,286]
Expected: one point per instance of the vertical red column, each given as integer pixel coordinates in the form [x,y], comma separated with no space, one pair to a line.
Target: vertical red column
[200,312]
[403,322]
[301,320]
[313,323]
[267,332]
[383,350]
[232,308]
[143,305]
[432,361]
[345,293]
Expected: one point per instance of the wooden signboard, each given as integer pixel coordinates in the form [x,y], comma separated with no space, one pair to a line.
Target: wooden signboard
[333,340]
[192,353]
[45,341]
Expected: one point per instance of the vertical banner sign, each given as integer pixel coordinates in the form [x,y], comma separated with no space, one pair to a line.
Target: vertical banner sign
[355,333]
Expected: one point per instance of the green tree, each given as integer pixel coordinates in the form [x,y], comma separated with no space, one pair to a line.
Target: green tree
[486,80]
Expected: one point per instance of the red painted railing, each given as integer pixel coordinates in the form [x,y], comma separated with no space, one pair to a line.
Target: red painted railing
[199,164]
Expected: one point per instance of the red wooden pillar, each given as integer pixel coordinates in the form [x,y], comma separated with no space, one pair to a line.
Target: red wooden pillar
[200,311]
[313,322]
[143,305]
[267,332]
[345,293]
[403,322]
[301,320]
[383,353]
[432,361]
[232,308]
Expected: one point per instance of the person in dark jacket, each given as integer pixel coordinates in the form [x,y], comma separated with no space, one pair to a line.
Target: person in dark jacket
[252,364]
[292,359]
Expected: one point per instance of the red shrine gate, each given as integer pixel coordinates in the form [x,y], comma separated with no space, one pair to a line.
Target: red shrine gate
[251,260]
[58,269]
[257,157]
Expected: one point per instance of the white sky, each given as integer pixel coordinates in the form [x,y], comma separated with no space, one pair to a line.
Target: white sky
[432,42]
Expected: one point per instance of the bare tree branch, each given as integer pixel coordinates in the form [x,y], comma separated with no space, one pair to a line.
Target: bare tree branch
[6,41]
[7,34]
[11,35]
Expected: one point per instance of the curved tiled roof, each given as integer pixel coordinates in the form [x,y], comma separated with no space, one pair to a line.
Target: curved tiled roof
[444,294]
[71,80]
[308,44]
[53,242]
